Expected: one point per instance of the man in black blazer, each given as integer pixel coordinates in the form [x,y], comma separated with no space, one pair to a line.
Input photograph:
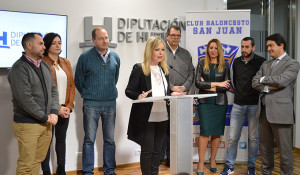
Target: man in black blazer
[275,80]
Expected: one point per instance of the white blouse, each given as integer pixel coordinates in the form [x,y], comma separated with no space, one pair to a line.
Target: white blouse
[159,88]
[62,80]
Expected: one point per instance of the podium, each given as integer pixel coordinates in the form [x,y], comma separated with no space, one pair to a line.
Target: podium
[181,131]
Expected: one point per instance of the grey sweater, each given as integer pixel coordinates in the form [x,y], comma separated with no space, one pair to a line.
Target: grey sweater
[32,101]
[180,63]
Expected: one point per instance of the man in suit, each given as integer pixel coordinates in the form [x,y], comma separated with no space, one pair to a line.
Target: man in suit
[275,80]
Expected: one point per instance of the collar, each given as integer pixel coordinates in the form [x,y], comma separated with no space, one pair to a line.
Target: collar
[242,58]
[50,60]
[280,58]
[36,63]
[106,54]
[174,51]
[104,57]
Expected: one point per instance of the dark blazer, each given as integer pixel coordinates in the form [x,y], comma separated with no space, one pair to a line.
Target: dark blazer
[140,112]
[279,103]
[206,84]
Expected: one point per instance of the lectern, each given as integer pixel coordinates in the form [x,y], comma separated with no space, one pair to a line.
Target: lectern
[181,130]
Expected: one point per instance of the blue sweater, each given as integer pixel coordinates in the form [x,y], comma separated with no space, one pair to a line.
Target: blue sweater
[96,80]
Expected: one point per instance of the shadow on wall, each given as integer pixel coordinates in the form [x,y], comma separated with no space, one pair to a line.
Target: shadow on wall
[78,125]
[8,144]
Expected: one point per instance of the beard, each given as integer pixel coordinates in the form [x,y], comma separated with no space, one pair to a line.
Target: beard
[247,55]
[38,55]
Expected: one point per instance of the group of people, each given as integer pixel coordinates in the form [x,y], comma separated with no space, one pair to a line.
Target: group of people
[43,98]
[43,91]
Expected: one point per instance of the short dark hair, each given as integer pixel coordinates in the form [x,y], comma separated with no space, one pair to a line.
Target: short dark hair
[28,37]
[249,38]
[173,27]
[48,39]
[278,39]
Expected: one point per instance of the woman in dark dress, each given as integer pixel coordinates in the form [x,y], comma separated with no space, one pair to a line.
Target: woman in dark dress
[212,76]
[148,122]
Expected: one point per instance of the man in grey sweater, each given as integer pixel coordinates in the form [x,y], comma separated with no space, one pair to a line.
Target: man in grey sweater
[182,70]
[35,103]
[181,75]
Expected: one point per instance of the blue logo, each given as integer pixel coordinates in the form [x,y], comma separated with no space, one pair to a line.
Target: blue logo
[242,145]
[229,51]
[3,38]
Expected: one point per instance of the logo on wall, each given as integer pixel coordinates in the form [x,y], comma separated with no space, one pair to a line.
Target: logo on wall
[11,39]
[221,144]
[242,145]
[196,120]
[3,38]
[88,28]
[130,29]
[229,51]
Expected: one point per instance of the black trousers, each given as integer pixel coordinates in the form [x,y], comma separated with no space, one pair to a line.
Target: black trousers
[151,147]
[165,150]
[60,130]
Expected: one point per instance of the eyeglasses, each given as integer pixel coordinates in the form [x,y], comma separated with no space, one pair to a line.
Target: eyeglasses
[173,36]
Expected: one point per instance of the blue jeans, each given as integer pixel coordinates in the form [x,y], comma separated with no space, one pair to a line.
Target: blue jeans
[91,115]
[239,114]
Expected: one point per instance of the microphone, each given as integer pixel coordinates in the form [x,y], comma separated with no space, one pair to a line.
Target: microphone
[167,100]
[162,79]
[185,78]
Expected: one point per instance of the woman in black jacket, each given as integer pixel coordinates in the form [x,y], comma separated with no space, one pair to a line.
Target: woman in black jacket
[212,76]
[148,122]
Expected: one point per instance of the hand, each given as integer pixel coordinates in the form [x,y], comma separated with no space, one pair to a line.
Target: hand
[178,89]
[225,84]
[48,121]
[53,119]
[201,79]
[144,94]
[177,93]
[67,113]
[272,88]
[64,112]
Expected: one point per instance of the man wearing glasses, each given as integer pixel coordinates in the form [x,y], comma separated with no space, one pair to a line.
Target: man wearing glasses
[181,75]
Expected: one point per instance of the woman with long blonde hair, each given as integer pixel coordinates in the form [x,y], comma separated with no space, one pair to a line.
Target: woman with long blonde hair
[212,76]
[148,122]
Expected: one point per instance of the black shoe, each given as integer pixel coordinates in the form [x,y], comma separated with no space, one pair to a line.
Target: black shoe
[47,172]
[60,170]
[168,163]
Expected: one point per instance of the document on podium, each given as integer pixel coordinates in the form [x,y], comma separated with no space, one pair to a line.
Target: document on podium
[162,98]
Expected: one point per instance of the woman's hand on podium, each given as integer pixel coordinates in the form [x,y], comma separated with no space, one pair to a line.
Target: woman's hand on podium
[178,93]
[144,94]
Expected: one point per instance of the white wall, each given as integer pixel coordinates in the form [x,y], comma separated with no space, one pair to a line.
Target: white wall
[129,54]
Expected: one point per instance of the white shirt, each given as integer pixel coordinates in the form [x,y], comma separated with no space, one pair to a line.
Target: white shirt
[62,80]
[159,88]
